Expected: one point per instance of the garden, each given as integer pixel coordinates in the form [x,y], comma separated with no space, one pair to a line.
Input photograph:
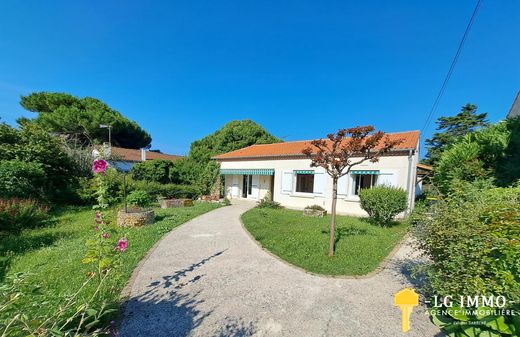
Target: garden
[65,251]
[303,241]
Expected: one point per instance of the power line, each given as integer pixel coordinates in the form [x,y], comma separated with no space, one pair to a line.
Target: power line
[452,67]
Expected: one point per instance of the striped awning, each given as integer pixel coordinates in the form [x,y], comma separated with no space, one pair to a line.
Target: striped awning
[364,172]
[253,172]
[304,171]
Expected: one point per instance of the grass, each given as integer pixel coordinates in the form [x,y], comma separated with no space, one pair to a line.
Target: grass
[303,241]
[51,256]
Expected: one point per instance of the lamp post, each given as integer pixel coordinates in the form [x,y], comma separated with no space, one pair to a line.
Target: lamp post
[109,127]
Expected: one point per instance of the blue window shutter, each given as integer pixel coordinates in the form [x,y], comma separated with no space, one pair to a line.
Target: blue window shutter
[342,186]
[287,182]
[320,180]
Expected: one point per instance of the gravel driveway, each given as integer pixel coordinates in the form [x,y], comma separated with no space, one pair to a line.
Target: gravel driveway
[209,278]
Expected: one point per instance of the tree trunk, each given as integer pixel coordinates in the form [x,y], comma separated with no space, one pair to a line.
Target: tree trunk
[333,215]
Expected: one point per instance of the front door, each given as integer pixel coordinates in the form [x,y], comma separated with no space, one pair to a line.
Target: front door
[254,189]
[245,185]
[250,186]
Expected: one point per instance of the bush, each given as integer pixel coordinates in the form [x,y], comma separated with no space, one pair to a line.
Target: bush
[383,203]
[266,202]
[168,191]
[159,171]
[32,144]
[17,214]
[139,198]
[491,154]
[315,208]
[472,240]
[20,179]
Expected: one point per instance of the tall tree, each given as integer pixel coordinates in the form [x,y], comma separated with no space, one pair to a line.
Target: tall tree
[232,136]
[343,150]
[80,118]
[450,129]
[198,168]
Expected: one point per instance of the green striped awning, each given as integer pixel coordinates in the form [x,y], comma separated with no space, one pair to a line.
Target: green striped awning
[253,172]
[365,172]
[304,171]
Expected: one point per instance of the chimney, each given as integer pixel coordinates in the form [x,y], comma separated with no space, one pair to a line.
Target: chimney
[143,155]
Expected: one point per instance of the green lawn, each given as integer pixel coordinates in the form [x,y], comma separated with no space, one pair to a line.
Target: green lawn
[303,241]
[52,255]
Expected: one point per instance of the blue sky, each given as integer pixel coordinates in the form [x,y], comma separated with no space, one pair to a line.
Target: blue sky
[301,69]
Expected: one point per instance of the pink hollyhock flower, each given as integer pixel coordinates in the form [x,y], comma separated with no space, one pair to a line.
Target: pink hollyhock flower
[122,245]
[105,235]
[97,228]
[99,166]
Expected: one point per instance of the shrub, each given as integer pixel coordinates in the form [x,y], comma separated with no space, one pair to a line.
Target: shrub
[472,240]
[383,203]
[315,208]
[17,214]
[159,171]
[267,202]
[139,198]
[226,202]
[168,191]
[492,154]
[19,179]
[32,144]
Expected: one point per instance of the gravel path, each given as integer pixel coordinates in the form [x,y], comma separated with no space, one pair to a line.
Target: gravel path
[209,278]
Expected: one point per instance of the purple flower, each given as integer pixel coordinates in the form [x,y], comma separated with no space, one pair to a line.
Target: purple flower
[122,244]
[99,166]
[105,235]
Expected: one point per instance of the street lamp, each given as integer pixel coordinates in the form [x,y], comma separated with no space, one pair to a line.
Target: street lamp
[109,127]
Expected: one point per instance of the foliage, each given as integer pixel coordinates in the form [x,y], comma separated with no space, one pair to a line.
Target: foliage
[79,118]
[226,202]
[21,179]
[160,171]
[315,207]
[450,129]
[50,257]
[268,202]
[168,191]
[232,136]
[383,203]
[473,241]
[300,240]
[198,169]
[340,152]
[18,214]
[56,172]
[75,316]
[139,198]
[491,154]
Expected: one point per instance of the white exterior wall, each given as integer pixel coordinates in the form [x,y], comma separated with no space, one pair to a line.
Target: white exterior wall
[401,168]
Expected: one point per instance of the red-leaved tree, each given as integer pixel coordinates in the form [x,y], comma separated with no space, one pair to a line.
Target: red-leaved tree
[341,151]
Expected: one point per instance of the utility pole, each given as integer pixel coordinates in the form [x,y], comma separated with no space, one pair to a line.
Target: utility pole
[109,127]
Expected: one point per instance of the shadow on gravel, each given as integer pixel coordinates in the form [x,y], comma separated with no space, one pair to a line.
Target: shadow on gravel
[163,311]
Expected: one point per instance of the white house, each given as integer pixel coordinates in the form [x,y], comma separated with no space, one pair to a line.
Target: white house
[281,169]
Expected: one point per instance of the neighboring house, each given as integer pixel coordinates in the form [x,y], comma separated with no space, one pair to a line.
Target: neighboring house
[515,108]
[124,159]
[281,169]
[423,171]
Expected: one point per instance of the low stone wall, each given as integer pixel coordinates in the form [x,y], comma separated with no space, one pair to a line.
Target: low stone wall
[134,218]
[169,203]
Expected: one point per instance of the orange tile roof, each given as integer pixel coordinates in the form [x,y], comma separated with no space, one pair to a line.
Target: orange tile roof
[135,154]
[291,149]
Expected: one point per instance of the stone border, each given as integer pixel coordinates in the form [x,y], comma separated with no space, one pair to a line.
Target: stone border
[371,274]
